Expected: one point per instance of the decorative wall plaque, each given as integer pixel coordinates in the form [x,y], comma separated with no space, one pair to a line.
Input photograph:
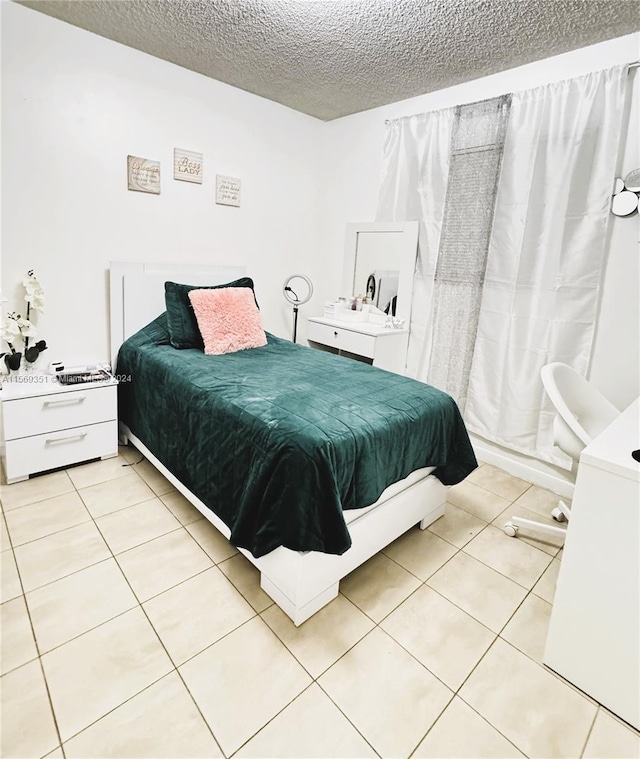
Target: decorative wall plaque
[187,165]
[227,190]
[143,175]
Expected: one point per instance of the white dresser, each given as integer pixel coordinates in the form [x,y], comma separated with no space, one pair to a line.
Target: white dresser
[383,347]
[48,425]
[594,632]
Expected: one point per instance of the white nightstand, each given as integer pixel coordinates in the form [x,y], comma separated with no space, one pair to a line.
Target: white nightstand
[48,425]
[385,348]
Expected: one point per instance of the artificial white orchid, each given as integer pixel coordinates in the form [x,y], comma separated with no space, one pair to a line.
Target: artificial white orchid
[34,294]
[15,327]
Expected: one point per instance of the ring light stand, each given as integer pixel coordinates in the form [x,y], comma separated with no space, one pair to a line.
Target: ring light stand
[292,297]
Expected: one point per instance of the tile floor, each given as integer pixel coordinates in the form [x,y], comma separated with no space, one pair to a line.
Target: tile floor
[131,628]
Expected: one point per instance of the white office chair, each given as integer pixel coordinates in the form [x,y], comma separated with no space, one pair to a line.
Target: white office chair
[582,414]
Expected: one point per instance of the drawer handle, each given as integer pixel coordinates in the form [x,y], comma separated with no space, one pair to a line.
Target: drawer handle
[54,440]
[64,401]
[335,334]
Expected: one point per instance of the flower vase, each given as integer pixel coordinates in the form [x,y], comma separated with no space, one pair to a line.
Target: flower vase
[28,367]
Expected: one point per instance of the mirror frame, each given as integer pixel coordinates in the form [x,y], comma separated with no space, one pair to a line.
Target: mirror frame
[408,251]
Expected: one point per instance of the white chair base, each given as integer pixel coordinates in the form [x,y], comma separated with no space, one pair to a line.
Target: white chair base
[561,514]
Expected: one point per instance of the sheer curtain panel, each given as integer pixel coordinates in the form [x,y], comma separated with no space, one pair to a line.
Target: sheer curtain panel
[539,287]
[415,168]
[547,254]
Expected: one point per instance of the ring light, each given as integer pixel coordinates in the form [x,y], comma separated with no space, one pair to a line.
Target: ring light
[291,296]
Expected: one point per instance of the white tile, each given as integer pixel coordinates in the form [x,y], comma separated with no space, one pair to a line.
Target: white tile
[197,613]
[91,675]
[461,733]
[162,722]
[34,489]
[85,475]
[115,494]
[420,552]
[311,727]
[37,520]
[246,578]
[511,557]
[479,590]
[211,540]
[533,709]
[18,646]
[75,604]
[184,511]
[476,500]
[131,454]
[154,479]
[441,636]
[546,585]
[61,554]
[325,637]
[386,694]
[162,563]
[611,739]
[5,543]
[137,524]
[457,526]
[378,586]
[499,482]
[242,681]
[539,500]
[28,729]
[527,629]
[9,578]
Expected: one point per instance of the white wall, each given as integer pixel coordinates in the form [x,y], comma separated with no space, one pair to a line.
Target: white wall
[351,157]
[74,105]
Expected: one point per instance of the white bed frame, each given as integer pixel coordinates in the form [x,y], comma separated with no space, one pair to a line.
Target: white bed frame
[300,583]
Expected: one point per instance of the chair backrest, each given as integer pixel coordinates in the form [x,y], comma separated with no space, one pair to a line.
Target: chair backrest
[582,411]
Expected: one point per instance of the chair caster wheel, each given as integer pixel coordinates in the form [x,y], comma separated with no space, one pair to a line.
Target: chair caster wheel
[558,515]
[510,530]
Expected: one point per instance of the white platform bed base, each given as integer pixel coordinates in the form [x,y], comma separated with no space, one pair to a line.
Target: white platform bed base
[300,583]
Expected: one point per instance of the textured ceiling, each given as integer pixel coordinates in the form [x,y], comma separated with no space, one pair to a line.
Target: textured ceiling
[330,58]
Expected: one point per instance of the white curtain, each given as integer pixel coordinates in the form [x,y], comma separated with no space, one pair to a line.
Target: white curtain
[414,181]
[546,252]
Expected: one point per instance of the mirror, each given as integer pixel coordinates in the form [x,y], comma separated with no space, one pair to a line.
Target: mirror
[380,261]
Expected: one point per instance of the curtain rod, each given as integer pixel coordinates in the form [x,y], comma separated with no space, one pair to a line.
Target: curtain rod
[632,65]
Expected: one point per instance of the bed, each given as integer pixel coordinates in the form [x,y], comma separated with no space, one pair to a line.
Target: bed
[308,462]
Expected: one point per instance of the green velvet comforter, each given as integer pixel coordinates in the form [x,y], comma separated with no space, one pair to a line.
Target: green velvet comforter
[278,440]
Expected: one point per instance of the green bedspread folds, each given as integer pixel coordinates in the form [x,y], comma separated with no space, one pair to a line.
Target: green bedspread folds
[278,440]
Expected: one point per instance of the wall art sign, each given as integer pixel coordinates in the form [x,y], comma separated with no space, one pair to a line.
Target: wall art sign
[187,165]
[227,191]
[143,175]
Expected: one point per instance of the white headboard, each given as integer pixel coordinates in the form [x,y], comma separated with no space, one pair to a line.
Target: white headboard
[136,292]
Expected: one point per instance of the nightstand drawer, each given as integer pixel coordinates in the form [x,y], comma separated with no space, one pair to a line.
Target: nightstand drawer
[56,449]
[58,411]
[342,339]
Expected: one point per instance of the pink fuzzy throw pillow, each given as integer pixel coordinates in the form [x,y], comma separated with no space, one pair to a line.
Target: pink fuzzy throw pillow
[228,319]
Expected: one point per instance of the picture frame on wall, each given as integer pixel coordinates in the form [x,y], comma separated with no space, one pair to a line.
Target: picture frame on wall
[143,175]
[228,190]
[187,166]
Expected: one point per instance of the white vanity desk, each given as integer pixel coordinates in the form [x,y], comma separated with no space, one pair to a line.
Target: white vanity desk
[372,248]
[387,348]
[594,632]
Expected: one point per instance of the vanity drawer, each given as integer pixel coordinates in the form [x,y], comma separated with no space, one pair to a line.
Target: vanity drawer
[342,339]
[58,411]
[55,449]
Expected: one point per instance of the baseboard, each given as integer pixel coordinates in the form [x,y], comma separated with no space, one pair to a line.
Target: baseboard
[534,471]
